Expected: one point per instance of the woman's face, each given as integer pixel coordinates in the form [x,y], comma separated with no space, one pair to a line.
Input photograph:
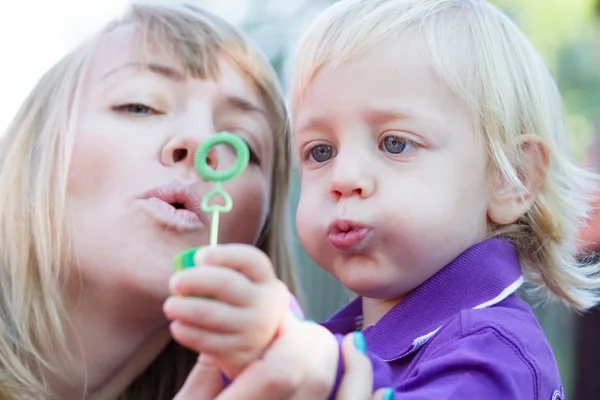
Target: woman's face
[133,189]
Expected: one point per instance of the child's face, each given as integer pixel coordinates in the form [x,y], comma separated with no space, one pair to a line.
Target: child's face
[393,171]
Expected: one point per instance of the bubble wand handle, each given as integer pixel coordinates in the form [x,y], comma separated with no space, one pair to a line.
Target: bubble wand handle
[214,229]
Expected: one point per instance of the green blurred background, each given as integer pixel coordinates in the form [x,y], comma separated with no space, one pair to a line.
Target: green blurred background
[564,31]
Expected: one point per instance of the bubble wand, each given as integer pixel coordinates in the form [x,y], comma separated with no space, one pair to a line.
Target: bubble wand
[186,258]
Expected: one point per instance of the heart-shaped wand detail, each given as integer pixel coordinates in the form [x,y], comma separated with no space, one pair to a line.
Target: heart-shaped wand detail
[217,193]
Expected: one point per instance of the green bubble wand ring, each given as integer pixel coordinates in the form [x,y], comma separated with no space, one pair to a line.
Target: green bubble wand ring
[186,258]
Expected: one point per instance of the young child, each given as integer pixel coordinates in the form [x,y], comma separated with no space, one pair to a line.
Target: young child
[436,179]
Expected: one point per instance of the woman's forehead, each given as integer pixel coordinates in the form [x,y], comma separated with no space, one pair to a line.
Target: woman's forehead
[120,49]
[117,50]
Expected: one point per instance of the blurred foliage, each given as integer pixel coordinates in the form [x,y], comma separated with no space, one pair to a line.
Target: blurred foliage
[564,32]
[550,24]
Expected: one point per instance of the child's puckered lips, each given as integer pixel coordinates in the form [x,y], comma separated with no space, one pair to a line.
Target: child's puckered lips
[348,236]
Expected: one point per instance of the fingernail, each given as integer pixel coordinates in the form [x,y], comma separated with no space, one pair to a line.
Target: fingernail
[168,301]
[359,342]
[389,394]
[185,259]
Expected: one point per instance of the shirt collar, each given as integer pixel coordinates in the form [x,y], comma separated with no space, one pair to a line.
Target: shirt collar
[480,277]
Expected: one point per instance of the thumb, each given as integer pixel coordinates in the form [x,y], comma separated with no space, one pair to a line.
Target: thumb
[204,382]
[357,382]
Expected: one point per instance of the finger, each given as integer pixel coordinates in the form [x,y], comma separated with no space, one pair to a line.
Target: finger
[384,394]
[357,382]
[244,258]
[204,381]
[223,284]
[200,341]
[206,314]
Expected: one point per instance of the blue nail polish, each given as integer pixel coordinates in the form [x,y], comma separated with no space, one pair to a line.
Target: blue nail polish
[297,315]
[389,394]
[359,342]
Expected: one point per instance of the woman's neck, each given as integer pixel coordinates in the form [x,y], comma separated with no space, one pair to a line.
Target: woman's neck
[110,349]
[113,383]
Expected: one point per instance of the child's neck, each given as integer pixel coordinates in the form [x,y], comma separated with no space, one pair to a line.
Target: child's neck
[375,309]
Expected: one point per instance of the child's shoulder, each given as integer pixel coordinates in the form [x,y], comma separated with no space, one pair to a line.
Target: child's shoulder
[506,342]
[513,323]
[511,318]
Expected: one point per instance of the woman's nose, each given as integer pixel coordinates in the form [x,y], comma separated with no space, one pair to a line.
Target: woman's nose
[182,151]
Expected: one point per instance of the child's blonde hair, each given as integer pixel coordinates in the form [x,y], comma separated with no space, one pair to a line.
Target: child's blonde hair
[485,59]
[34,229]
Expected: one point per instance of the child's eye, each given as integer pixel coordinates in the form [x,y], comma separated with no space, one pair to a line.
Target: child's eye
[321,153]
[395,144]
[136,109]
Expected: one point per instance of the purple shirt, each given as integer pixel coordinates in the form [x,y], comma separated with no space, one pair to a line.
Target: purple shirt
[462,334]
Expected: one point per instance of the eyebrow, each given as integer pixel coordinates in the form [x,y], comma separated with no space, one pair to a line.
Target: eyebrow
[381,115]
[313,124]
[425,124]
[244,105]
[159,69]
[234,102]
[375,115]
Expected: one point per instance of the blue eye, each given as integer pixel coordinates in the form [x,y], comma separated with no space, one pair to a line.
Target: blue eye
[321,153]
[394,144]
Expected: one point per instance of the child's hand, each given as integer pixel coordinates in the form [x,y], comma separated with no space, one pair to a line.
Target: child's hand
[300,364]
[231,307]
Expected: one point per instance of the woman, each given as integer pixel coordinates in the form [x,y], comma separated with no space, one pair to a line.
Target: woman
[95,168]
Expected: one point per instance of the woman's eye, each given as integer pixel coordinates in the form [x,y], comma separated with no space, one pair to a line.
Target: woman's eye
[321,153]
[254,159]
[395,144]
[135,109]
[253,155]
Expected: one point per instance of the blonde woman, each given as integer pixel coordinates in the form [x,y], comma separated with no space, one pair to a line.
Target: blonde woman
[99,194]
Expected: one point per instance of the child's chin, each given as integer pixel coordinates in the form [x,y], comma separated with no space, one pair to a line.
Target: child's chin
[373,289]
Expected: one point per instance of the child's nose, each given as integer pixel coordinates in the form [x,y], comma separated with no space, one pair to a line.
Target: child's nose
[350,178]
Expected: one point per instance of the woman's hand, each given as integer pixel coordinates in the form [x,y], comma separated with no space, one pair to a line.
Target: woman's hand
[357,382]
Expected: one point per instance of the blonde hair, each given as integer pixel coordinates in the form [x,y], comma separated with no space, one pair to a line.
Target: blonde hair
[486,60]
[34,229]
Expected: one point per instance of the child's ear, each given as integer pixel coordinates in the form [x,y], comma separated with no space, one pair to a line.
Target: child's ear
[507,203]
